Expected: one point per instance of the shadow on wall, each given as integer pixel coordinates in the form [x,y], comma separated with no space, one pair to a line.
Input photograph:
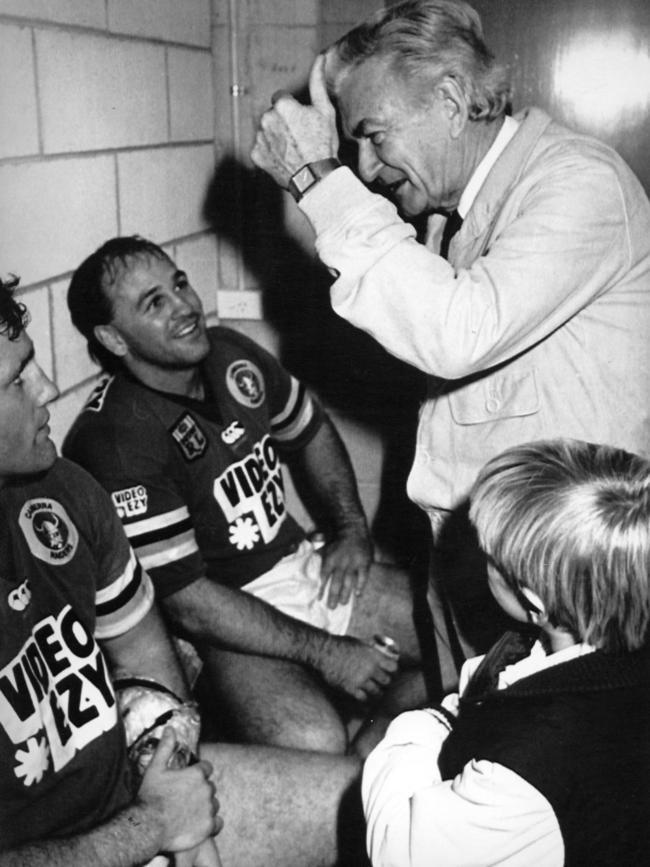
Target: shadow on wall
[346,367]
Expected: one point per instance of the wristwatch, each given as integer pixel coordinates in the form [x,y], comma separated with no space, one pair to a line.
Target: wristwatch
[309,175]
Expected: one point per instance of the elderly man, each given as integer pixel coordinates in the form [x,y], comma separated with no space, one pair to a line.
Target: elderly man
[76,606]
[531,321]
[187,436]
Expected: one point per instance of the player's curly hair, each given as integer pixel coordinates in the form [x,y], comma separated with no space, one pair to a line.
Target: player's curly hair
[570,520]
[88,301]
[13,314]
[428,40]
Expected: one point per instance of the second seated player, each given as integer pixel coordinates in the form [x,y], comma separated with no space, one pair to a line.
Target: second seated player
[187,434]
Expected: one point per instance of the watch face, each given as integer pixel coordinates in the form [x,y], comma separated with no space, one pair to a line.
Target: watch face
[304,178]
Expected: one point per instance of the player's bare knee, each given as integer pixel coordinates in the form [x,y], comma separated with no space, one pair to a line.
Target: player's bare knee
[321,737]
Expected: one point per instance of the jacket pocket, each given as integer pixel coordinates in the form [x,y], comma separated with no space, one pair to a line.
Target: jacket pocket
[500,395]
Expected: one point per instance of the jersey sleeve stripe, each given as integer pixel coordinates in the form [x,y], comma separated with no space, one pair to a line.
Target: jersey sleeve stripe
[129,588]
[129,575]
[169,551]
[161,535]
[135,599]
[293,431]
[296,396]
[295,423]
[157,522]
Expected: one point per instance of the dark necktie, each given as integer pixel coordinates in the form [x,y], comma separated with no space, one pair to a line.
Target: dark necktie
[510,648]
[453,224]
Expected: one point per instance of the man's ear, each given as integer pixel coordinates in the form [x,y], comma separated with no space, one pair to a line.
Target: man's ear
[454,105]
[111,339]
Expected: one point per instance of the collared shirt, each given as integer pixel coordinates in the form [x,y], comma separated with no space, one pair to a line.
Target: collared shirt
[508,128]
[537,660]
[486,815]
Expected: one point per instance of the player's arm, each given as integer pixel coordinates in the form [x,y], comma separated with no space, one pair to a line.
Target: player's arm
[220,615]
[174,812]
[326,467]
[147,651]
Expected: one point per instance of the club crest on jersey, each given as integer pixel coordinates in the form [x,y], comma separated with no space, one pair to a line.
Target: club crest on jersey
[234,432]
[130,501]
[246,383]
[20,597]
[189,436]
[49,531]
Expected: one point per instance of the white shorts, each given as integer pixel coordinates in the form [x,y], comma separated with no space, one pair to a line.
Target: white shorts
[292,586]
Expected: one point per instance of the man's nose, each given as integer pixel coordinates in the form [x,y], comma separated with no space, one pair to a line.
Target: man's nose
[369,164]
[182,304]
[47,390]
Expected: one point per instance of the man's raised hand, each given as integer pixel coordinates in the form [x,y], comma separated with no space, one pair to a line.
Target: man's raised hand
[290,135]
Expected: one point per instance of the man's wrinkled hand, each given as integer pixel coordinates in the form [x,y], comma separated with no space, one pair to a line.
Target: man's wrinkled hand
[357,668]
[345,566]
[290,135]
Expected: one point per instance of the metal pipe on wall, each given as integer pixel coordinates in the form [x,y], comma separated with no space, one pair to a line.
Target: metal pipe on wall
[237,90]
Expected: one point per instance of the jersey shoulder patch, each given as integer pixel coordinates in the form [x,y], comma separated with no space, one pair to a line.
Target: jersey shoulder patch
[189,437]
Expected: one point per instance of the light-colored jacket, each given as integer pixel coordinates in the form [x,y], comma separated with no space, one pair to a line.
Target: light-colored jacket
[539,326]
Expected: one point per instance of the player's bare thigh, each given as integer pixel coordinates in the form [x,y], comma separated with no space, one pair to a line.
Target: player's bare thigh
[273,701]
[286,807]
[386,607]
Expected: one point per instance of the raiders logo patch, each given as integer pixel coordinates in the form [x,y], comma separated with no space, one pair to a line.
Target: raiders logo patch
[130,501]
[246,383]
[96,400]
[189,436]
[49,531]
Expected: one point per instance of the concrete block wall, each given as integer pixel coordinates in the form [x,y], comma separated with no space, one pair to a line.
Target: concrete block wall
[108,127]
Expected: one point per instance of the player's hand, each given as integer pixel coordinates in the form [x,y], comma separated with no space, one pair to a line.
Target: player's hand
[291,135]
[345,565]
[356,667]
[182,800]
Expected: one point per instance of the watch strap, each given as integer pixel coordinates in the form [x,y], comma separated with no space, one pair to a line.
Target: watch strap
[310,174]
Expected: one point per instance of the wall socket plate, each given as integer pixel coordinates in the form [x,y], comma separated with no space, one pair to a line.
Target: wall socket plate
[239,304]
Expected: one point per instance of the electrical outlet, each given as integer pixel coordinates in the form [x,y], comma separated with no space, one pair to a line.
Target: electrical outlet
[235,304]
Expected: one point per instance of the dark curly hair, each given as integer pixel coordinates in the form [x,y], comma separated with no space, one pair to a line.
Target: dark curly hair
[13,314]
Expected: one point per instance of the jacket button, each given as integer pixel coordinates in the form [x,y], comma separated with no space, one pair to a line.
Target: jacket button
[492,404]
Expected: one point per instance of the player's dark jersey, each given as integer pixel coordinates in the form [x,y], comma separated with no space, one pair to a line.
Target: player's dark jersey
[67,576]
[198,484]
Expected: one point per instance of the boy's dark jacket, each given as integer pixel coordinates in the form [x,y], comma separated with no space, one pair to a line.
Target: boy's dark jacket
[579,732]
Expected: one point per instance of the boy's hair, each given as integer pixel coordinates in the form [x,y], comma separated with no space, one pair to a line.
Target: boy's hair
[13,314]
[571,521]
[88,301]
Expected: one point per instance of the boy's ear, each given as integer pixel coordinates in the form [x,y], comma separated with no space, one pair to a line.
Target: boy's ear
[534,606]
